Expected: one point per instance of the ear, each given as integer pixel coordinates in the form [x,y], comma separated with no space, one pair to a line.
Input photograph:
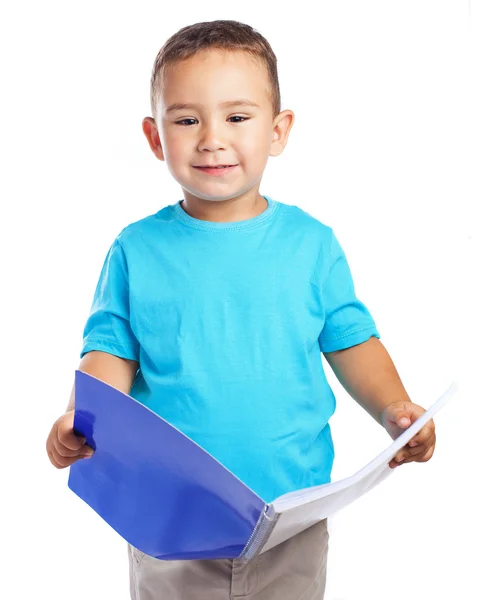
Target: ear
[281,129]
[153,137]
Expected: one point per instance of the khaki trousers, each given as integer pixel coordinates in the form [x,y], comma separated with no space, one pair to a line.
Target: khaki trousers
[293,570]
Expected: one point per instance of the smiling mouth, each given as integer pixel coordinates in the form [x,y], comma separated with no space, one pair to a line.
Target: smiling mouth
[214,166]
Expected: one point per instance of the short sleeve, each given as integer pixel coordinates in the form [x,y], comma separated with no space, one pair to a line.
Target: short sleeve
[108,326]
[348,322]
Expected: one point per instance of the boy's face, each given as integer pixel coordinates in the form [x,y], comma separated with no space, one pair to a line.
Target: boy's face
[208,133]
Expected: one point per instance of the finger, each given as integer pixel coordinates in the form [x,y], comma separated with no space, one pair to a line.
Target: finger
[412,453]
[53,460]
[61,462]
[401,418]
[423,456]
[426,455]
[406,452]
[429,453]
[87,451]
[427,432]
[408,457]
[62,450]
[68,438]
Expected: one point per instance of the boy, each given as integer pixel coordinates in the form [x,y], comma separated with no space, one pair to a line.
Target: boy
[214,311]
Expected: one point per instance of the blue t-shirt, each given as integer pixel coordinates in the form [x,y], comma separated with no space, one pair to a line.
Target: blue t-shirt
[228,322]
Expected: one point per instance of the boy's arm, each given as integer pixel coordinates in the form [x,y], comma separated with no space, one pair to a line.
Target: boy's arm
[368,374]
[63,446]
[117,372]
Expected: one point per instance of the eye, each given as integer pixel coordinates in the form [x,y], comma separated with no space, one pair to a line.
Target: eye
[234,117]
[183,121]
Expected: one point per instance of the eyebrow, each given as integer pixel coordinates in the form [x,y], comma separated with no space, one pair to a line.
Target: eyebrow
[241,102]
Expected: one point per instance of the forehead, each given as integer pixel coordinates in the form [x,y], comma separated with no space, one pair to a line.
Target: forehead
[215,77]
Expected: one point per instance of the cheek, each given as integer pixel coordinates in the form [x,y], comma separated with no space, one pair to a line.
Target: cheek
[256,146]
[174,148]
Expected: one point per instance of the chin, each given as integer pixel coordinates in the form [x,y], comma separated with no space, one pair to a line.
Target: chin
[212,198]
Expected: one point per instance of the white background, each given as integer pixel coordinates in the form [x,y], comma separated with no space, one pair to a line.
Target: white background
[392,147]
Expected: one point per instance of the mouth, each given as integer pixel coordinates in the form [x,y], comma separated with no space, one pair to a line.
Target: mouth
[218,170]
[213,166]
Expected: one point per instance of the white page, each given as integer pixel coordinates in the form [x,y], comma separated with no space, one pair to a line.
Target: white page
[303,508]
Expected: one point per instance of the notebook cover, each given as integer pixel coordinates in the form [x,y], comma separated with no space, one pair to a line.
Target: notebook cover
[157,488]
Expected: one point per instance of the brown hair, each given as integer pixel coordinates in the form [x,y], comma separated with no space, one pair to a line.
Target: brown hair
[228,36]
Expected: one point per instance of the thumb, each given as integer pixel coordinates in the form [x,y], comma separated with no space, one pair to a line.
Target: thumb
[402,419]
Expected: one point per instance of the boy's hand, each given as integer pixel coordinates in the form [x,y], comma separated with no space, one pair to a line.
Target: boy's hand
[397,417]
[63,446]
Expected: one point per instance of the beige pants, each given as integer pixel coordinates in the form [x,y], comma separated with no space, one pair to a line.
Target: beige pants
[293,570]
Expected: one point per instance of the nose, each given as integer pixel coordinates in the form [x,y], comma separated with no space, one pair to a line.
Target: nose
[211,137]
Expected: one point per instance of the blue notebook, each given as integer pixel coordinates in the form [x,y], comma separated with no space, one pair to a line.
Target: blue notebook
[169,498]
